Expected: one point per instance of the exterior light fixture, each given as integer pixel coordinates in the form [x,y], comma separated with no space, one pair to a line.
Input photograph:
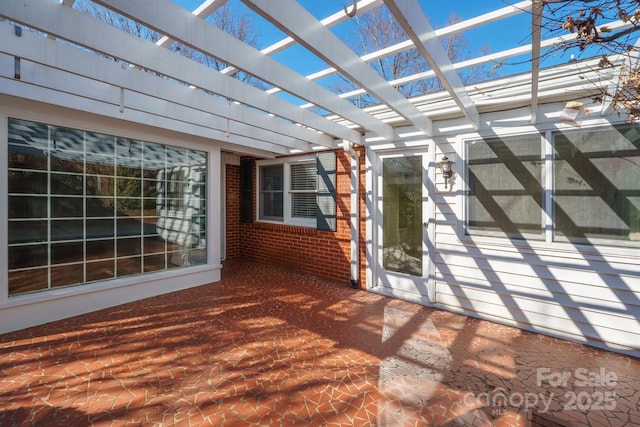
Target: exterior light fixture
[447,170]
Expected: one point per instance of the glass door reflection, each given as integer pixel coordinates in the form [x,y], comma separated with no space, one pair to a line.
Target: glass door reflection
[402,214]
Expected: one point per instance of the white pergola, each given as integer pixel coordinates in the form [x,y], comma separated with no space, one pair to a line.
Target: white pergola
[152,84]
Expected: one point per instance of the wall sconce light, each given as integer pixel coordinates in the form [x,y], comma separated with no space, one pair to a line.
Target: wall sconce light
[447,170]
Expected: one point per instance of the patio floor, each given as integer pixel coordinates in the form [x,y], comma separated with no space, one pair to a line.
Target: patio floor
[267,346]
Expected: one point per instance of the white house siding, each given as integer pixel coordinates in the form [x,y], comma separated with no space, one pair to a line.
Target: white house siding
[590,294]
[592,299]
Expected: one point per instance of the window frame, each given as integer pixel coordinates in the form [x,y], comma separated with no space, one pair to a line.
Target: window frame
[548,134]
[287,217]
[586,241]
[260,193]
[88,132]
[463,170]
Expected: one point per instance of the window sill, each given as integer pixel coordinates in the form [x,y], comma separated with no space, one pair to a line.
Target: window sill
[288,228]
[596,249]
[81,290]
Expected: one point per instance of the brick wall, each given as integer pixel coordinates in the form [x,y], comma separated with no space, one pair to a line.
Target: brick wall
[232,180]
[320,253]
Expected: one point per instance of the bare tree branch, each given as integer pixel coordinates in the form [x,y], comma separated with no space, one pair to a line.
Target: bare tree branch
[589,21]
[377,29]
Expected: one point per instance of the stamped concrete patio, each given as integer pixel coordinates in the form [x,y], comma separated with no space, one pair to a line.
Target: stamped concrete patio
[270,347]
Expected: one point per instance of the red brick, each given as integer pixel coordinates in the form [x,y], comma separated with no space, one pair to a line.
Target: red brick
[303,249]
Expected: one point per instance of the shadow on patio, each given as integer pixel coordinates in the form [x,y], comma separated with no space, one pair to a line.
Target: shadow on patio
[270,347]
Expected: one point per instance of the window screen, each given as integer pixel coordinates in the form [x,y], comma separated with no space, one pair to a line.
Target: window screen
[505,186]
[597,184]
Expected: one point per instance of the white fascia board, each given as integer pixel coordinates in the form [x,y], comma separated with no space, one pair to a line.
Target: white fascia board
[410,16]
[181,25]
[309,32]
[55,96]
[221,114]
[558,83]
[81,29]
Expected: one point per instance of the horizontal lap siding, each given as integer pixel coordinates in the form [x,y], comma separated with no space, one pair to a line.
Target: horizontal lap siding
[551,288]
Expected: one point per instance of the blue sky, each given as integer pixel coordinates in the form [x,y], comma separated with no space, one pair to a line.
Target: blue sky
[497,37]
[505,34]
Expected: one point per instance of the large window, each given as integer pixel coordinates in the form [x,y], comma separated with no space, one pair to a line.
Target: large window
[505,186]
[288,192]
[86,207]
[597,184]
[595,189]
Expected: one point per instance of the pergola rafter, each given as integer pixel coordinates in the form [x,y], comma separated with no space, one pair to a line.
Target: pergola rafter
[309,32]
[275,136]
[202,11]
[241,113]
[172,20]
[330,21]
[405,45]
[71,25]
[410,16]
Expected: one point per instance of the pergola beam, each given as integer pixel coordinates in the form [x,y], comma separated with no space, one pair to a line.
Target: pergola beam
[487,18]
[536,30]
[98,80]
[414,22]
[457,28]
[174,21]
[74,26]
[296,21]
[485,59]
[330,21]
[253,109]
[203,11]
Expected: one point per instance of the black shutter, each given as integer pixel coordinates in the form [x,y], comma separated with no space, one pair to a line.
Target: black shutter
[246,186]
[326,199]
